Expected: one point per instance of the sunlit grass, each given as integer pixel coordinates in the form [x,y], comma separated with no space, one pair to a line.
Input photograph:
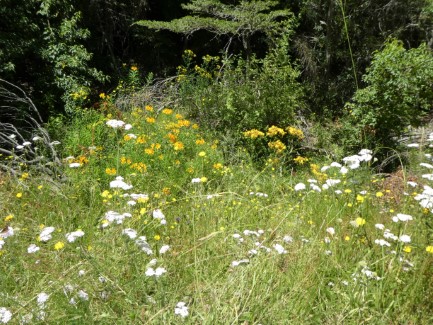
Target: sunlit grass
[151,226]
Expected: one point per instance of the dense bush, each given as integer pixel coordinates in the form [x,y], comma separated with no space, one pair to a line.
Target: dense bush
[236,95]
[398,94]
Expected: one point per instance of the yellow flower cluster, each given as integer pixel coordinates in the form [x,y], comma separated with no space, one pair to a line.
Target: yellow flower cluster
[295,132]
[278,146]
[275,131]
[141,167]
[315,170]
[300,160]
[253,134]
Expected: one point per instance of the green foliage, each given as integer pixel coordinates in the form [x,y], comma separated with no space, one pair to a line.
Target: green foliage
[44,49]
[242,20]
[398,93]
[68,59]
[235,95]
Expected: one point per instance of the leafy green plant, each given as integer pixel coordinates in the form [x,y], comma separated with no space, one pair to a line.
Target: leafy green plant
[398,94]
[237,95]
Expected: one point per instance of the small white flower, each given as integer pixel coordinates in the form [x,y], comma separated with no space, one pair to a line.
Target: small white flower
[157,214]
[131,203]
[54,143]
[413,145]
[72,236]
[181,309]
[280,249]
[74,165]
[344,170]
[402,217]
[252,252]
[83,295]
[164,249]
[32,249]
[19,147]
[421,164]
[196,180]
[379,226]
[36,138]
[45,234]
[131,233]
[300,187]
[404,238]
[237,263]
[413,184]
[81,272]
[332,182]
[42,298]
[330,231]
[382,242]
[328,252]
[128,127]
[288,239]
[27,143]
[155,272]
[119,183]
[115,123]
[5,315]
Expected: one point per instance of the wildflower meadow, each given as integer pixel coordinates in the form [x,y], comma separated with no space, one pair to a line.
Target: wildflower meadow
[146,221]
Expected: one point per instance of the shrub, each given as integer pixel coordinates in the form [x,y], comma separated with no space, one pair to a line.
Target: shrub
[234,95]
[398,94]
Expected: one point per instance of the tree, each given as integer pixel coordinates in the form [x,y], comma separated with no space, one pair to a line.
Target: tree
[241,21]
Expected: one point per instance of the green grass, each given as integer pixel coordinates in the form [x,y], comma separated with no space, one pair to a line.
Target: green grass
[321,278]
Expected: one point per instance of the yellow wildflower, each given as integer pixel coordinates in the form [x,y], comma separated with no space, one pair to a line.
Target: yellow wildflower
[178,146]
[295,132]
[167,111]
[59,245]
[300,160]
[360,221]
[149,108]
[150,120]
[429,249]
[275,130]
[278,146]
[253,134]
[110,171]
[217,166]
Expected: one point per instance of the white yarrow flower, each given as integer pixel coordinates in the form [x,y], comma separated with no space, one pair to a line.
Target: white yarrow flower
[280,249]
[5,315]
[181,309]
[300,187]
[164,249]
[45,234]
[32,249]
[72,236]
